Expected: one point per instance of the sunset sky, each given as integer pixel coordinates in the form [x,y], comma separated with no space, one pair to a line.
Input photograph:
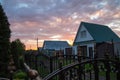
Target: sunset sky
[57,19]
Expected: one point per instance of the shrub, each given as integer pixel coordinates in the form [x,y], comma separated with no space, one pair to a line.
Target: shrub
[20,75]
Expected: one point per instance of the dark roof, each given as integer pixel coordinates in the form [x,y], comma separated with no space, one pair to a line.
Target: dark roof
[56,45]
[100,33]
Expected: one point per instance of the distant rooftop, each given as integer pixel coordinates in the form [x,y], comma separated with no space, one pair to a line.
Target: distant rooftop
[56,45]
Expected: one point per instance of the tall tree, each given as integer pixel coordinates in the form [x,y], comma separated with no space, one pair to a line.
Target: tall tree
[4,42]
[17,50]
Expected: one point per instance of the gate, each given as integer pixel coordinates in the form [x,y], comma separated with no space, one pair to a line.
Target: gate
[95,69]
[47,64]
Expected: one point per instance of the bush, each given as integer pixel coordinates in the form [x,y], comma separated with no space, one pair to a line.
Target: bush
[20,75]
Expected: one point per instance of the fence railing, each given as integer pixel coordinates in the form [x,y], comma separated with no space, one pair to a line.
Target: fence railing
[95,69]
[47,64]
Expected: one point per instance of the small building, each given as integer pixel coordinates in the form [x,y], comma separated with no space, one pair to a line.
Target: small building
[92,36]
[51,47]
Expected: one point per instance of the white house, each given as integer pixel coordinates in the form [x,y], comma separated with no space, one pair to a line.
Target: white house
[90,35]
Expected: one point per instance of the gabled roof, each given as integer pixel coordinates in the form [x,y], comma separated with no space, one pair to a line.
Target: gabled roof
[100,33]
[55,45]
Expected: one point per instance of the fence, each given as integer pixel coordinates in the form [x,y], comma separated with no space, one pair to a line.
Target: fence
[94,69]
[47,64]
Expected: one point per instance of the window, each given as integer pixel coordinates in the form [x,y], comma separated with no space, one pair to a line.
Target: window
[83,34]
[90,52]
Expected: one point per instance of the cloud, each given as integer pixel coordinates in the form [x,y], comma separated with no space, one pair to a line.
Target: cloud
[58,19]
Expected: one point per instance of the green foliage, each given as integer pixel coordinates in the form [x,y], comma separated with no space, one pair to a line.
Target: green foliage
[4,42]
[20,75]
[17,50]
[17,46]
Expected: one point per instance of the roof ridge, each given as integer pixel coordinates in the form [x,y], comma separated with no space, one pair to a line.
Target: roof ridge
[93,24]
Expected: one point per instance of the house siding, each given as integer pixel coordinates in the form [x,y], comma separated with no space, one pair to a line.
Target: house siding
[87,38]
[88,45]
[75,51]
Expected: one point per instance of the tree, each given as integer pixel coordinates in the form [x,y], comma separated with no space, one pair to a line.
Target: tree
[4,42]
[17,50]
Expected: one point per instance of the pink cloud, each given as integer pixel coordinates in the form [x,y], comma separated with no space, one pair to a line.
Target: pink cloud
[57,19]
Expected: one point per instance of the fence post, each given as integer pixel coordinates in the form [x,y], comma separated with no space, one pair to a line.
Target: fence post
[107,65]
[117,68]
[51,65]
[95,65]
[36,61]
[96,70]
[30,61]
[118,73]
[80,71]
[61,76]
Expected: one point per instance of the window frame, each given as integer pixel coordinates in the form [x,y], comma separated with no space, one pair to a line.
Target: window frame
[83,34]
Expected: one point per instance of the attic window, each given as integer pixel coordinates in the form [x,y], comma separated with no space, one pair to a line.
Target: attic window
[83,34]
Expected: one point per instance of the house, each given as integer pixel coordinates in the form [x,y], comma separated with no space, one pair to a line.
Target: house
[51,47]
[92,36]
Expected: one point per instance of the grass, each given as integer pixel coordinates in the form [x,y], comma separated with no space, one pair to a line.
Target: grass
[112,75]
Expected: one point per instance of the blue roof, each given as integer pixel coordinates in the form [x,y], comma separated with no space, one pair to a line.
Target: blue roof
[55,45]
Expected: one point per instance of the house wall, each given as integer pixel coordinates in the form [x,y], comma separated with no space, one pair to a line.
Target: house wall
[75,51]
[87,38]
[89,45]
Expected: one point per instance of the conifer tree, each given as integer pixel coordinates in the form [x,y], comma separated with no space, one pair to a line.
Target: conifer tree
[4,43]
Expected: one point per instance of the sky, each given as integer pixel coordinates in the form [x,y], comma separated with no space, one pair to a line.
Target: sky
[57,19]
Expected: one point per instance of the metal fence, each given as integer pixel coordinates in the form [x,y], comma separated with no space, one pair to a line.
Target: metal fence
[45,64]
[94,69]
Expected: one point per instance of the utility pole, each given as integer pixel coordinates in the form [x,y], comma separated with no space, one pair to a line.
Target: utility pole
[37,44]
